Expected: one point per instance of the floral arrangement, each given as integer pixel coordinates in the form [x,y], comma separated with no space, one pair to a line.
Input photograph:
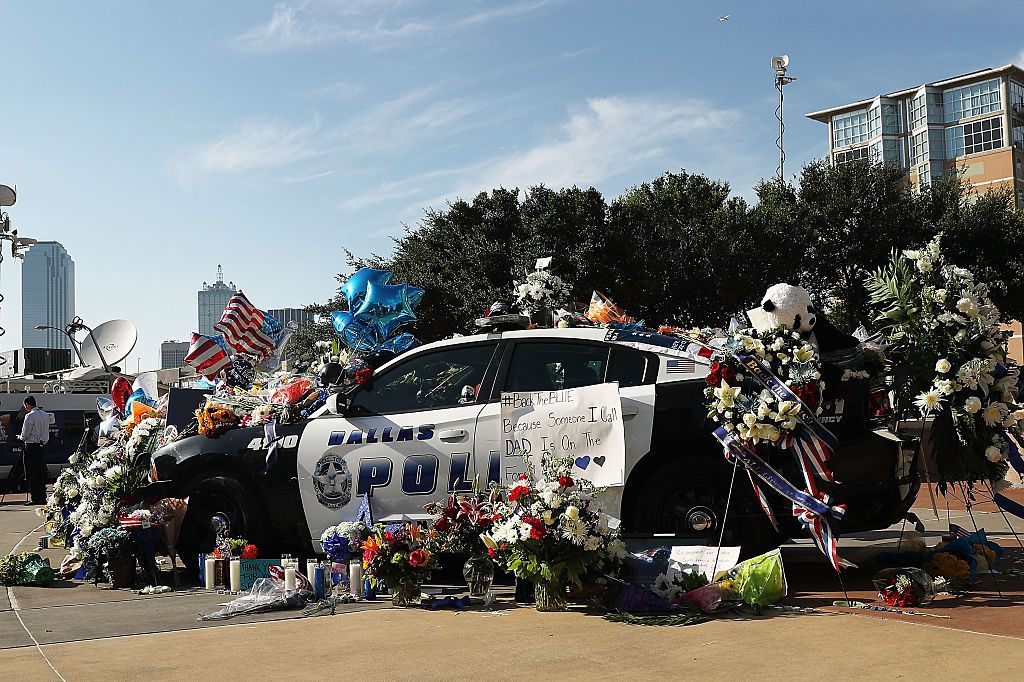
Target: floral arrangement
[110,544]
[397,557]
[215,419]
[678,585]
[541,290]
[755,414]
[950,362]
[551,532]
[145,437]
[236,548]
[343,541]
[904,587]
[460,522]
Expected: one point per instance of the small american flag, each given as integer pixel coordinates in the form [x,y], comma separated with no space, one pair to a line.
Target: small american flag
[242,327]
[680,366]
[206,356]
[958,532]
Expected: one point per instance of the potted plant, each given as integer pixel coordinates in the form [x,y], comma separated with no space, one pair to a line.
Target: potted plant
[113,549]
[397,557]
[550,532]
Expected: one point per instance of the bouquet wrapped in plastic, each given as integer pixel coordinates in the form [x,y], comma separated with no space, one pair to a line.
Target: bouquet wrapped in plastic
[904,586]
[762,579]
[25,569]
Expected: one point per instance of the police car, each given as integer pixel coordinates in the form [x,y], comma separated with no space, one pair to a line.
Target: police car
[429,423]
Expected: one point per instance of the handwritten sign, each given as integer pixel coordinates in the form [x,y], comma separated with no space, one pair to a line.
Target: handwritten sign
[701,559]
[254,569]
[582,423]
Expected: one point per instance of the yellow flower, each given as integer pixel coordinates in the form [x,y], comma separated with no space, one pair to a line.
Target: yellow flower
[803,354]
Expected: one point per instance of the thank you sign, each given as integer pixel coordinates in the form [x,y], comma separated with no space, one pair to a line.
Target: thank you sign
[582,423]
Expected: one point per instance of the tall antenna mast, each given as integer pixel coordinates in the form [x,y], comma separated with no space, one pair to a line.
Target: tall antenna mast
[780,64]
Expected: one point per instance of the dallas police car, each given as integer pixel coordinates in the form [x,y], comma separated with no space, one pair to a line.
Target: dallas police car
[429,423]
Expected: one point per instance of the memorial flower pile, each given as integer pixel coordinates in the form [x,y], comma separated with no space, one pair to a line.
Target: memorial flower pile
[950,362]
[343,541]
[541,290]
[550,530]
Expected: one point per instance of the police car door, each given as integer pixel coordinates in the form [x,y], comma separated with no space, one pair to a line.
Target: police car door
[547,365]
[406,440]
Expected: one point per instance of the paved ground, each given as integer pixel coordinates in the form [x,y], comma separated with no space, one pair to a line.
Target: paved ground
[93,633]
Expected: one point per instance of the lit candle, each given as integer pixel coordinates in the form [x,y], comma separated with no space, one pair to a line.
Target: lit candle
[289,577]
[236,575]
[355,577]
[210,573]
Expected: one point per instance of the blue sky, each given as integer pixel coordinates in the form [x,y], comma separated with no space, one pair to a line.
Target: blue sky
[155,140]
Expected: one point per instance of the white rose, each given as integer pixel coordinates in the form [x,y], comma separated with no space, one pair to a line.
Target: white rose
[993,454]
[572,512]
[943,366]
[972,405]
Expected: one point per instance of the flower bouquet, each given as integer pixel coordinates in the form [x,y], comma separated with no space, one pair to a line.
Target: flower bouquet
[541,291]
[397,557]
[345,540]
[236,548]
[214,420]
[904,586]
[114,549]
[457,530]
[551,533]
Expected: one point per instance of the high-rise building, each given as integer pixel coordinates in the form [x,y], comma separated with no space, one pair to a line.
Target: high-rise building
[172,354]
[212,300]
[296,315]
[47,295]
[972,123]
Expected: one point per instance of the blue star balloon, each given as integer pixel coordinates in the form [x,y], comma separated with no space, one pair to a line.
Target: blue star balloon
[414,295]
[386,307]
[399,344]
[356,333]
[354,288]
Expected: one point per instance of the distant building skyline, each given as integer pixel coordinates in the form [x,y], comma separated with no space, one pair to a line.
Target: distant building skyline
[299,316]
[212,299]
[47,295]
[172,354]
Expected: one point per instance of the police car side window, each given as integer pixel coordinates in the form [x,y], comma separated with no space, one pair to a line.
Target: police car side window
[554,366]
[628,367]
[428,381]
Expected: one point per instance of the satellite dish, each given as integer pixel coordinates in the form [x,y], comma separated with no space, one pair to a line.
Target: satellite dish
[780,62]
[7,196]
[115,340]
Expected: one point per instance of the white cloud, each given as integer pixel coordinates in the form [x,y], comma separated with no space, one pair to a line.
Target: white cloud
[299,26]
[257,146]
[610,136]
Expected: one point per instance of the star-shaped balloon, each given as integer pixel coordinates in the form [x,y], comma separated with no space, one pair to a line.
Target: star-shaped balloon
[354,288]
[386,307]
[357,334]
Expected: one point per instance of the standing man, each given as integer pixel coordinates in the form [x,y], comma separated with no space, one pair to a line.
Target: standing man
[35,433]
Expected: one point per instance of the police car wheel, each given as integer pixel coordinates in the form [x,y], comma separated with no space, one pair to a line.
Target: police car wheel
[215,497]
[687,499]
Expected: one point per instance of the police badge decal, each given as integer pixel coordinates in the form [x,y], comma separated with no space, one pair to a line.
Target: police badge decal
[332,481]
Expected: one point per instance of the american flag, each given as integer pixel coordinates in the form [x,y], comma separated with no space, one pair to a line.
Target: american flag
[206,356]
[680,366]
[242,327]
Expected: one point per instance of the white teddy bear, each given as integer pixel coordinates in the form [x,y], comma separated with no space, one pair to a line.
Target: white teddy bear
[788,306]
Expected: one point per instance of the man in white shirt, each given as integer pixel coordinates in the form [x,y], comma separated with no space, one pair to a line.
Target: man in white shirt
[35,433]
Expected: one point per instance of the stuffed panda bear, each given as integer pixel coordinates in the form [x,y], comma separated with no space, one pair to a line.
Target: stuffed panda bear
[785,305]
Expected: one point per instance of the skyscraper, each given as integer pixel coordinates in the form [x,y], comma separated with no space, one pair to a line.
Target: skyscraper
[47,295]
[299,316]
[172,354]
[212,299]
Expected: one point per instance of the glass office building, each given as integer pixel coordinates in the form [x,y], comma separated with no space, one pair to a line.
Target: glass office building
[47,295]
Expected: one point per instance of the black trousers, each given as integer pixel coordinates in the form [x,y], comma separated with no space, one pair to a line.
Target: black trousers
[35,472]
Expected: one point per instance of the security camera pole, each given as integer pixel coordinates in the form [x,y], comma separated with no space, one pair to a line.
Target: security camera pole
[780,64]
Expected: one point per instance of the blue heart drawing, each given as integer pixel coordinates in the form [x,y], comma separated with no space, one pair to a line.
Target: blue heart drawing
[583,462]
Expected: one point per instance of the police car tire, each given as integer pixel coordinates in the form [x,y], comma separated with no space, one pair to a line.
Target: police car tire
[704,482]
[212,489]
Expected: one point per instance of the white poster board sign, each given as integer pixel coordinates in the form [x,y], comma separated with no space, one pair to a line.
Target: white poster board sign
[582,423]
[701,559]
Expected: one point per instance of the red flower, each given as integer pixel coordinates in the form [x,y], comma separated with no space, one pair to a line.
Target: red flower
[522,477]
[517,492]
[504,546]
[537,530]
[418,557]
[728,373]
[250,551]
[442,524]
[491,552]
[364,375]
[389,537]
[566,482]
[483,521]
[369,555]
[216,554]
[807,392]
[715,374]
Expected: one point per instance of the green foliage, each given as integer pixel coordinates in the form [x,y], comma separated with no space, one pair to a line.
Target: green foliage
[685,616]
[679,249]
